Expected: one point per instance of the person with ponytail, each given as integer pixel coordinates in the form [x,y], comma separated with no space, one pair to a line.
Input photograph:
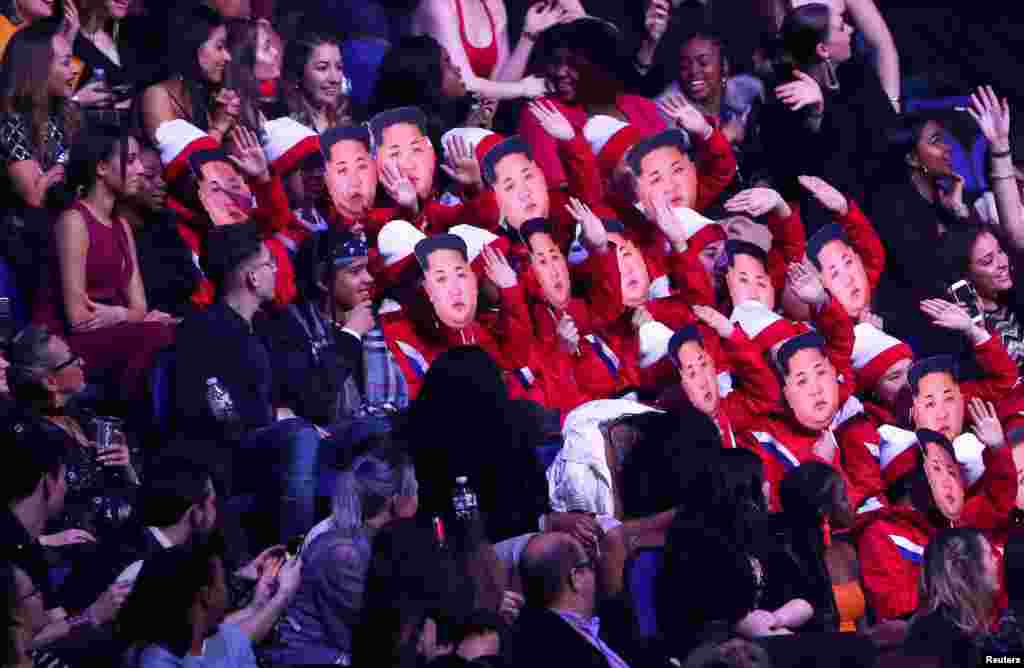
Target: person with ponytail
[377,489]
[835,109]
[94,293]
[197,90]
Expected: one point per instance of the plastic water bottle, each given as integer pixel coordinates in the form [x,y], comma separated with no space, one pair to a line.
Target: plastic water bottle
[464,500]
[221,406]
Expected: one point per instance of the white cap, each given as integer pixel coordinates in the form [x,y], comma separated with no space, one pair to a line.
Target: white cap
[599,129]
[177,140]
[288,143]
[397,240]
[475,237]
[700,230]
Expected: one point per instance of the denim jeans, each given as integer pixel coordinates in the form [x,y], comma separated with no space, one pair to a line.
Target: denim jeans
[285,457]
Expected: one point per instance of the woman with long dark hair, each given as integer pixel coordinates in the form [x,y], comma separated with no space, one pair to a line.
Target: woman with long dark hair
[94,293]
[197,91]
[919,207]
[253,57]
[314,88]
[834,109]
[417,72]
[723,540]
[959,581]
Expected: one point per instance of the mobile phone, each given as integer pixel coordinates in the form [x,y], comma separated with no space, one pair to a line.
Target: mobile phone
[963,293]
[6,321]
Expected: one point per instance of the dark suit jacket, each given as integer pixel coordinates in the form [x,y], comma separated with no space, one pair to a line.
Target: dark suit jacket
[542,638]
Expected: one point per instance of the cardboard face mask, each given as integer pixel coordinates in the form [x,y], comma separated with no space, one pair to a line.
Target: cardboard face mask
[635,279]
[404,145]
[520,189]
[945,481]
[224,194]
[451,287]
[550,269]
[351,179]
[811,389]
[843,274]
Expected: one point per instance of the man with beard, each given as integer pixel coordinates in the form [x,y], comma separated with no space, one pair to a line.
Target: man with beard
[927,492]
[451,287]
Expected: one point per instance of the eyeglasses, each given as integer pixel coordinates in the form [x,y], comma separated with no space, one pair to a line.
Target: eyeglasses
[74,359]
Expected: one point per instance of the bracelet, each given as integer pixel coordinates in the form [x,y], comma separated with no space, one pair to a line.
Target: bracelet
[82,620]
[1000,154]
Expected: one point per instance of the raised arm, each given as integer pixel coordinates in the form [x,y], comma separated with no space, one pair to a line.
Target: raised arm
[539,17]
[439,20]
[993,118]
[876,33]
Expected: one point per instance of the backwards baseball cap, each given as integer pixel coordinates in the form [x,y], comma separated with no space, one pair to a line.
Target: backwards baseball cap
[427,246]
[681,336]
[824,236]
[928,366]
[674,138]
[385,119]
[512,146]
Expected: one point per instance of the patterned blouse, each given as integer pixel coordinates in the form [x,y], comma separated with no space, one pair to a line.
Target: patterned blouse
[1006,324]
[18,144]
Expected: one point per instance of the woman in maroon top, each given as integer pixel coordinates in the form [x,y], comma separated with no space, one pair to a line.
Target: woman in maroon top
[94,292]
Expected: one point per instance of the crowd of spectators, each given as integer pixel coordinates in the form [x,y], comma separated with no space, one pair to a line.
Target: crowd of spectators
[503,333]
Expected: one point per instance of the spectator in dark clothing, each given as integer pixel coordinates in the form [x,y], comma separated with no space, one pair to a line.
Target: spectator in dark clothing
[959,578]
[835,110]
[176,502]
[725,538]
[331,365]
[657,29]
[33,490]
[415,596]
[169,270]
[464,397]
[911,211]
[219,343]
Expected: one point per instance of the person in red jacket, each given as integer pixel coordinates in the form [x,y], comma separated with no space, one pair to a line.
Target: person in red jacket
[212,188]
[407,163]
[293,151]
[756,392]
[518,191]
[848,253]
[451,287]
[572,363]
[351,180]
[927,492]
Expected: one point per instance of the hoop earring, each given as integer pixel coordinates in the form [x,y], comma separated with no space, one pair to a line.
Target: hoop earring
[831,80]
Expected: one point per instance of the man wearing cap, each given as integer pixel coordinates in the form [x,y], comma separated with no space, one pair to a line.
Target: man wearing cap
[330,362]
[218,347]
[407,162]
[451,287]
[926,486]
[209,188]
[756,392]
